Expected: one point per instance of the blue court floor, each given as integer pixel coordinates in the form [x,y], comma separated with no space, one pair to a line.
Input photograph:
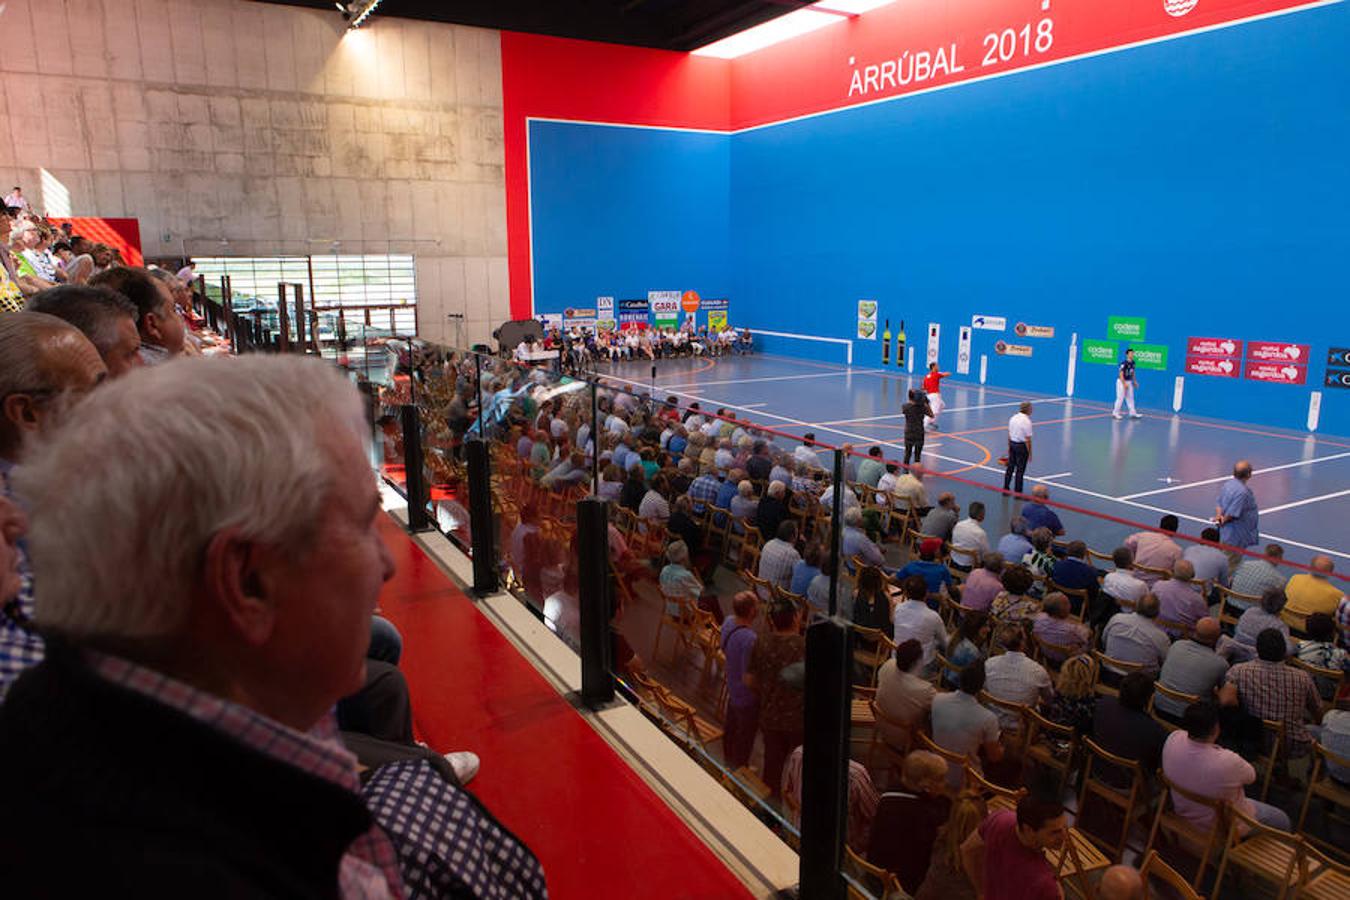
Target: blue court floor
[1135,470]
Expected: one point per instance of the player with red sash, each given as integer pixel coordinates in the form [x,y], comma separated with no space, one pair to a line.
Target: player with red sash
[932,384]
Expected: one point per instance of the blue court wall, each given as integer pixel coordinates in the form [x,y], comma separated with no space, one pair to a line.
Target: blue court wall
[1200,183]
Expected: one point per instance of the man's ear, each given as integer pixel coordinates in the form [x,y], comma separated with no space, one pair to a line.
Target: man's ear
[153,327]
[236,585]
[20,410]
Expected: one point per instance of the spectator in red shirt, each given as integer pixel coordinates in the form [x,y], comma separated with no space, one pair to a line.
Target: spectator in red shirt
[1010,846]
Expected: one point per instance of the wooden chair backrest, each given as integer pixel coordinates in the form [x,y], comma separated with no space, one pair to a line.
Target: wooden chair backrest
[1155,867]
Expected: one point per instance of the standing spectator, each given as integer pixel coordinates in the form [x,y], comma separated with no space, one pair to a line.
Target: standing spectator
[941,519]
[969,535]
[1005,856]
[913,618]
[903,695]
[1156,549]
[1038,515]
[1014,545]
[1192,667]
[1122,725]
[1254,576]
[1178,599]
[1236,513]
[1313,592]
[738,642]
[983,584]
[1211,563]
[1268,689]
[908,820]
[776,676]
[16,200]
[962,725]
[1016,678]
[916,411]
[1193,760]
[1135,636]
[1019,448]
[779,556]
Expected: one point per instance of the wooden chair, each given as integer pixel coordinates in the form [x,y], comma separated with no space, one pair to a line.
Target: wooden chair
[1166,719]
[717,527]
[1159,574]
[1175,630]
[1328,681]
[690,727]
[1117,667]
[1079,594]
[877,881]
[861,715]
[1051,745]
[763,588]
[1007,710]
[1095,556]
[803,607]
[1228,617]
[871,649]
[1132,803]
[1323,786]
[1204,844]
[1274,735]
[1052,655]
[1321,877]
[895,755]
[682,621]
[954,760]
[995,795]
[1268,853]
[944,667]
[1155,867]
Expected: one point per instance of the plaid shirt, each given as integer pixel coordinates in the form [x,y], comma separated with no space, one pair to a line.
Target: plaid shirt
[703,490]
[1280,693]
[1343,620]
[369,869]
[862,798]
[20,647]
[776,561]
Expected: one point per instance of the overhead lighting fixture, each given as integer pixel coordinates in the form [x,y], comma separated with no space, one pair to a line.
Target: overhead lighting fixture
[786,27]
[356,11]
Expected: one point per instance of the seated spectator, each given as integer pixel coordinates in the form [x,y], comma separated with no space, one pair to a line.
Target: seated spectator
[1074,572]
[1155,549]
[908,820]
[703,491]
[935,574]
[941,519]
[1320,650]
[1254,576]
[983,584]
[206,673]
[967,646]
[611,481]
[1268,689]
[862,799]
[1016,678]
[160,325]
[913,618]
[772,509]
[1258,618]
[1135,636]
[1037,514]
[962,725]
[1054,626]
[743,505]
[847,498]
[1122,725]
[1210,563]
[1013,606]
[818,592]
[871,607]
[654,505]
[105,317]
[1313,592]
[569,471]
[872,468]
[903,696]
[1334,734]
[779,556]
[1121,584]
[1040,560]
[781,473]
[678,581]
[807,569]
[855,542]
[682,525]
[1120,882]
[1193,760]
[1192,667]
[806,454]
[1074,700]
[909,488]
[1014,545]
[742,717]
[634,487]
[1005,857]
[1179,600]
[969,535]
[724,458]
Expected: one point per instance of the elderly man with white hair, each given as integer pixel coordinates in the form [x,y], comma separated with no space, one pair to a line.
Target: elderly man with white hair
[198,635]
[855,542]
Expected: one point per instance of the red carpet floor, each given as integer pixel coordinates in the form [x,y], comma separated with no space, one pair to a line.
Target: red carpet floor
[599,830]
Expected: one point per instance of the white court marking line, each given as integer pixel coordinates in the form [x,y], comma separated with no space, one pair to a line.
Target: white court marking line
[965,462]
[755,405]
[1191,484]
[1330,496]
[945,411]
[1056,475]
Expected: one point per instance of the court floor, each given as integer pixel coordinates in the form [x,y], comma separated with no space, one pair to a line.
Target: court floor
[1133,470]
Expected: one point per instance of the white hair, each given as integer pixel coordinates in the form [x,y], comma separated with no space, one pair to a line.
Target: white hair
[129,491]
[852,516]
[776,489]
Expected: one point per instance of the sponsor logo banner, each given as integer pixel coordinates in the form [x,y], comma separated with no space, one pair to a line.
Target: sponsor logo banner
[1103,352]
[1276,373]
[1126,328]
[689,302]
[1003,348]
[633,313]
[1150,356]
[1022,329]
[1338,378]
[1213,347]
[1277,351]
[1338,356]
[1209,365]
[717,319]
[989,323]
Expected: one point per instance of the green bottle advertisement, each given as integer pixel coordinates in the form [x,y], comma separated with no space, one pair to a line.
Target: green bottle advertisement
[900,346]
[886,344]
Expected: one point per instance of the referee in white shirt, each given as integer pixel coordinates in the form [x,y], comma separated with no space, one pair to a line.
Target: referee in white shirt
[1019,447]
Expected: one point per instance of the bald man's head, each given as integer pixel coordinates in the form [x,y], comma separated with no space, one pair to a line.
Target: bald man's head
[44,362]
[1323,564]
[1207,631]
[1121,883]
[1242,470]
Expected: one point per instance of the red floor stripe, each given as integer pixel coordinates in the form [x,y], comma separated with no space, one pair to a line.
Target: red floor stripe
[599,830]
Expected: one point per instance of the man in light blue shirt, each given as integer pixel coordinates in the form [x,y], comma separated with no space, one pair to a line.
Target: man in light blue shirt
[1236,513]
[1014,545]
[1211,563]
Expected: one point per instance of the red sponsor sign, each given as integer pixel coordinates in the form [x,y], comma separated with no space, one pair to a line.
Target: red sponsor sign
[1275,351]
[1278,373]
[1213,347]
[1208,365]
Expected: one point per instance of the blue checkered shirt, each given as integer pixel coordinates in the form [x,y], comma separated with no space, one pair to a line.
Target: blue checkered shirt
[703,490]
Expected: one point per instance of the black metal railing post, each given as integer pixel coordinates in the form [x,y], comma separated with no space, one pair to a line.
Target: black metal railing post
[298,290]
[836,529]
[597,685]
[825,760]
[415,479]
[283,318]
[595,439]
[481,529]
[478,392]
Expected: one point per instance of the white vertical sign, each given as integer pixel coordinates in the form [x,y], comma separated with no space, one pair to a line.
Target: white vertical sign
[963,351]
[934,336]
[984,367]
[1073,365]
[1314,409]
[1177,392]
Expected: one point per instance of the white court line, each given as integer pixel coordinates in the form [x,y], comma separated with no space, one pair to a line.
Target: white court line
[1191,484]
[1274,509]
[965,462]
[1056,475]
[755,405]
[945,411]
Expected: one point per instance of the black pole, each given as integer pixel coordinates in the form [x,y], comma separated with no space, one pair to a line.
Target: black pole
[595,439]
[597,685]
[480,518]
[413,473]
[836,529]
[825,760]
[478,392]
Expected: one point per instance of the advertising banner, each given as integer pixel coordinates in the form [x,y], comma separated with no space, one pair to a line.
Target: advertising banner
[1213,347]
[1150,356]
[1278,351]
[1209,365]
[689,301]
[1338,378]
[1276,373]
[716,310]
[934,342]
[1022,329]
[665,307]
[1126,328]
[1103,352]
[551,321]
[604,314]
[867,320]
[1003,348]
[963,351]
[989,323]
[583,318]
[633,314]
[1338,356]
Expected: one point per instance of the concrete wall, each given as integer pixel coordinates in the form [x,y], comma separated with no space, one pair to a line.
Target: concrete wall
[241,128]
